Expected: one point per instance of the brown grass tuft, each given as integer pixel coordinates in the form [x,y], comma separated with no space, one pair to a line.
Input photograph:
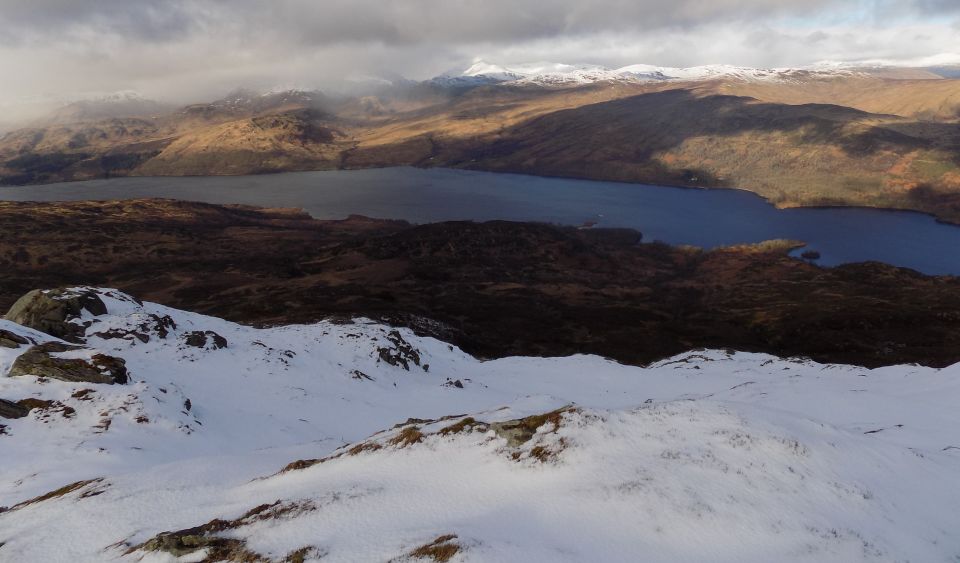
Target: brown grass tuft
[441,549]
[407,437]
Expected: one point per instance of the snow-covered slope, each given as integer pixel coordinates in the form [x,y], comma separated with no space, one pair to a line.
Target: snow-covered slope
[558,74]
[409,447]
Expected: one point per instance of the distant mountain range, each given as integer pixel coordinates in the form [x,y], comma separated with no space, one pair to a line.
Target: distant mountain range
[833,134]
[550,74]
[560,74]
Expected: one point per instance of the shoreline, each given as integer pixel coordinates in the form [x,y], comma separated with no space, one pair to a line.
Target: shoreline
[936,218]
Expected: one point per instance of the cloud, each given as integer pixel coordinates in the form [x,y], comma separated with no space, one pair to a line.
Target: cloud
[389,21]
[937,6]
[194,49]
[28,21]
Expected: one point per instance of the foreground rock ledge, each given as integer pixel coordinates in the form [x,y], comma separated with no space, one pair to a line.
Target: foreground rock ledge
[43,361]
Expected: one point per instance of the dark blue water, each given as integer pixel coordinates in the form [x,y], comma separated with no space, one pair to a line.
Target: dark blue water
[706,218]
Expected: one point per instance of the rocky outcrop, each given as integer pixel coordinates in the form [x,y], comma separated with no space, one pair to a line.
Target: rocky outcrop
[12,340]
[9,409]
[43,361]
[51,311]
[210,538]
[204,339]
[153,325]
[401,353]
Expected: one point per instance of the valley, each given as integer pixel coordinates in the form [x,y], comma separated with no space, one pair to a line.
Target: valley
[798,138]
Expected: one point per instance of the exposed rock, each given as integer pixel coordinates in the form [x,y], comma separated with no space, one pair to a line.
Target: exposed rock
[47,409]
[199,339]
[402,353]
[9,409]
[51,311]
[154,325]
[34,403]
[40,361]
[357,374]
[186,542]
[218,548]
[12,340]
[82,394]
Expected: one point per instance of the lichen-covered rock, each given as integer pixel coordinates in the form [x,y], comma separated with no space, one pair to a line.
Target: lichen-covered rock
[12,340]
[51,311]
[200,339]
[9,409]
[42,361]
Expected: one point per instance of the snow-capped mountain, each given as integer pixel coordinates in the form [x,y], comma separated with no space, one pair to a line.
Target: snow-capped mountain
[357,441]
[558,74]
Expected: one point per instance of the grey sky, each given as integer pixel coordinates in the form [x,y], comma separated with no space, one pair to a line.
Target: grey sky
[192,49]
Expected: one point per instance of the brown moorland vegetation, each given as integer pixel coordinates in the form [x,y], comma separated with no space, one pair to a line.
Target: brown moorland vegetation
[495,289]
